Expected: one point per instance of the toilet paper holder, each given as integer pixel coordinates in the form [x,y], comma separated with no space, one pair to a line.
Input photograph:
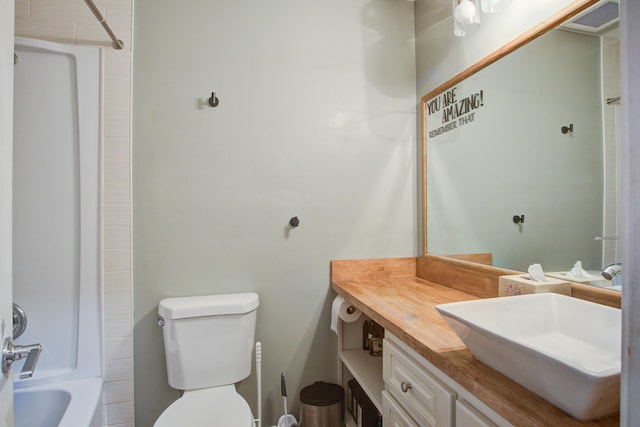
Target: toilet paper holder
[342,310]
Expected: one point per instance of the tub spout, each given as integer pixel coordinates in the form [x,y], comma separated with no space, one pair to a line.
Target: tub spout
[11,353]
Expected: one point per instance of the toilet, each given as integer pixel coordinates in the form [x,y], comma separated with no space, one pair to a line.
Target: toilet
[208,343]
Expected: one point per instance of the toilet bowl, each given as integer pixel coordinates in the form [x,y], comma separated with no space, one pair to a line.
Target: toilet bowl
[208,342]
[217,406]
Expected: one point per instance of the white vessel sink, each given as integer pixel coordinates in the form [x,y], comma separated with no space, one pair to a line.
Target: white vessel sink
[564,349]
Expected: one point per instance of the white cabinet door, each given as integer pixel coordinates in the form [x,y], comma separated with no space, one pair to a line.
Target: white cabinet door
[429,402]
[468,416]
[393,415]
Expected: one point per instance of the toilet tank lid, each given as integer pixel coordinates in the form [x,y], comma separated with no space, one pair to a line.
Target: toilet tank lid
[207,305]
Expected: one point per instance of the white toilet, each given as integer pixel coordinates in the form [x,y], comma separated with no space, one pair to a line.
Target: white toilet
[208,342]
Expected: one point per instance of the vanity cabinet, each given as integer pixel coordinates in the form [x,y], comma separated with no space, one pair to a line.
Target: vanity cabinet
[401,294]
[404,387]
[468,416]
[393,414]
[420,394]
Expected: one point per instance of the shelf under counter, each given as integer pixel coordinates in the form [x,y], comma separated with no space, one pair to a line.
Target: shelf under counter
[367,371]
[349,421]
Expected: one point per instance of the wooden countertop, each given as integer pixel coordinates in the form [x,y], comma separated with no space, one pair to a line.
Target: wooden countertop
[404,304]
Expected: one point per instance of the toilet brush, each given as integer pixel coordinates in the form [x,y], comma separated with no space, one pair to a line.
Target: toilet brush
[259,381]
[287,420]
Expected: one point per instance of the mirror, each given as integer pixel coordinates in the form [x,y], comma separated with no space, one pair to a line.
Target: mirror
[520,155]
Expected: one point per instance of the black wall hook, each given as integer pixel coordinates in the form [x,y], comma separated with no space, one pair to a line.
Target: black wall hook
[567,129]
[214,101]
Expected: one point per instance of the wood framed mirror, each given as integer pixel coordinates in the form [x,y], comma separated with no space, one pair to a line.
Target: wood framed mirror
[451,106]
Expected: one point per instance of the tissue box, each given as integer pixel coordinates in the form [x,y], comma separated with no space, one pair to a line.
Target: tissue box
[520,284]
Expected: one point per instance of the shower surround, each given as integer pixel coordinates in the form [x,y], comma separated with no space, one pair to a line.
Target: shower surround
[71,22]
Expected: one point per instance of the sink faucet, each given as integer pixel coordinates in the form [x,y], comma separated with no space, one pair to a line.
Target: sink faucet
[612,270]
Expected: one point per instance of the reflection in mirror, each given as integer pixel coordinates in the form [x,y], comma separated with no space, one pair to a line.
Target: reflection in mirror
[521,157]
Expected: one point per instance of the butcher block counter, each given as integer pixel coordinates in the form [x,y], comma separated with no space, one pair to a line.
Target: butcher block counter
[401,294]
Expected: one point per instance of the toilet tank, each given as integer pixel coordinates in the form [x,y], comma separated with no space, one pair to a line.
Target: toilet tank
[208,340]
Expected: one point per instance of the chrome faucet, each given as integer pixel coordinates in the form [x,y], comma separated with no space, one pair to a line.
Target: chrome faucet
[11,353]
[612,270]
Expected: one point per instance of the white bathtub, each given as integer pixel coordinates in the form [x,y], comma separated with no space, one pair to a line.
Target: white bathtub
[61,404]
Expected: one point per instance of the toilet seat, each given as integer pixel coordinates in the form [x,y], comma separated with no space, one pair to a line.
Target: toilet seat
[215,406]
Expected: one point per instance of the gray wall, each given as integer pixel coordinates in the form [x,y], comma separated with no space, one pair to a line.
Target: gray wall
[316,120]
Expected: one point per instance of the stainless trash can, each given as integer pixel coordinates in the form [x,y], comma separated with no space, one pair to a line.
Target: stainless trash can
[322,405]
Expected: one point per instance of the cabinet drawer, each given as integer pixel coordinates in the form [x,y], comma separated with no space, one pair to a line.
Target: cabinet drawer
[393,415]
[468,416]
[423,397]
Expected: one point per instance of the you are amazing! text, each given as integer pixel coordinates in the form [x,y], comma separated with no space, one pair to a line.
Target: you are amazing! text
[454,112]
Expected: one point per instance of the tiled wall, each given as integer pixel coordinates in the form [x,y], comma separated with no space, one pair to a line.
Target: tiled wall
[71,22]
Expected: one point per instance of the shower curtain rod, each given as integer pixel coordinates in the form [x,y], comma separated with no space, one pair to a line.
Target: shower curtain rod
[117,43]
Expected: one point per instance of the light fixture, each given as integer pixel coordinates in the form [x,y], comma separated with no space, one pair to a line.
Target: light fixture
[492,6]
[466,15]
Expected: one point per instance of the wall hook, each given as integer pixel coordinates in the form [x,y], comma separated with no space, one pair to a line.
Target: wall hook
[567,129]
[214,101]
[518,219]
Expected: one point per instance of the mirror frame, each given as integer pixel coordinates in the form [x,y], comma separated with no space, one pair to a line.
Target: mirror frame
[545,26]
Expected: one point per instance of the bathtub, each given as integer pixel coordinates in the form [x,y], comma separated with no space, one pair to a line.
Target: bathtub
[61,404]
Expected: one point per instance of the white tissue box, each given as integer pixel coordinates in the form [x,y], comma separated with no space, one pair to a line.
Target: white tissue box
[520,284]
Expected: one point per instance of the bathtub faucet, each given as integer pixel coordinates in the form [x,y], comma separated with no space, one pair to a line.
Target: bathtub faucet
[11,353]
